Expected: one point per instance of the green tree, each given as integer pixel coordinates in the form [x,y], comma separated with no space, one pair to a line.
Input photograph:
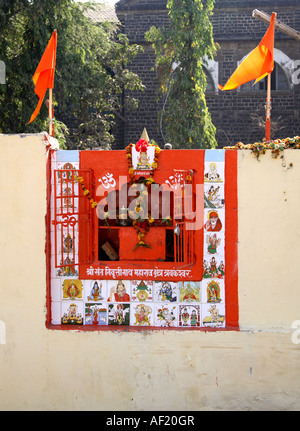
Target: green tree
[181,49]
[91,70]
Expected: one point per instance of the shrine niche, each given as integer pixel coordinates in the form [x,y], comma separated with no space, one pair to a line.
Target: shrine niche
[141,238]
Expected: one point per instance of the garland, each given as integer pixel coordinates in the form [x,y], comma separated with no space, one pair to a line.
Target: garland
[86,192]
[143,223]
[276,146]
[142,145]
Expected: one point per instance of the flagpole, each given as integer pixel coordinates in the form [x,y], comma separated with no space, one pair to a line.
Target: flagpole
[50,113]
[268,110]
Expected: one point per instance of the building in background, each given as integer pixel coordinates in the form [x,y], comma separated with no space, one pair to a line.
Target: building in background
[239,114]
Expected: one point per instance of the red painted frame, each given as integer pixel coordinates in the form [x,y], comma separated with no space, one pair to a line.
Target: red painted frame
[231,239]
[231,257]
[169,161]
[48,239]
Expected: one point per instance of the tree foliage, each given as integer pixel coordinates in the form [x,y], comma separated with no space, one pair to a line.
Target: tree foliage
[181,50]
[91,70]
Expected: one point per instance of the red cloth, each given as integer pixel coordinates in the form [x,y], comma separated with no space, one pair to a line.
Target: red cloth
[43,77]
[258,64]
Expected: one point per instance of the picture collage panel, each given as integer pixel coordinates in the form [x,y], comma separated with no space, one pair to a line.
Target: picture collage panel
[138,303]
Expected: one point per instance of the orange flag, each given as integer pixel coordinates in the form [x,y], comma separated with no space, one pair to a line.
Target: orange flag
[43,77]
[258,64]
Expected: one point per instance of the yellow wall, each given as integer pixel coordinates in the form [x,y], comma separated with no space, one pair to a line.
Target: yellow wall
[255,368]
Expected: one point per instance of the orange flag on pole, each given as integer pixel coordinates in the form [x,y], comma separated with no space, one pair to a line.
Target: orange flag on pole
[43,77]
[258,64]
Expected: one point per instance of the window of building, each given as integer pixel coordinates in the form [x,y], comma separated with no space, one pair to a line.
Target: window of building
[210,87]
[279,82]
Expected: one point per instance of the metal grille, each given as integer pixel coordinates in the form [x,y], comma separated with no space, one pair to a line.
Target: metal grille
[183,211]
[72,211]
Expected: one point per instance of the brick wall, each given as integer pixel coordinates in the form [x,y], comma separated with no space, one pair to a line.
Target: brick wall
[236,113]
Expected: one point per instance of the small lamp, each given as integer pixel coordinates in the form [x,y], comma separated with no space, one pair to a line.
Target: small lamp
[123,216]
[177,230]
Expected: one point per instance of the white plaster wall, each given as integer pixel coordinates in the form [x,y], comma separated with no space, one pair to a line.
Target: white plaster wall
[269,240]
[254,369]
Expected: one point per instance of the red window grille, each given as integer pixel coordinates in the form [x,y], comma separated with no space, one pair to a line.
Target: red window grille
[72,219]
[184,199]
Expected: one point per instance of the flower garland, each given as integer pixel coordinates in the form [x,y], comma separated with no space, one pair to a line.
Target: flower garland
[275,146]
[142,145]
[143,223]
[86,192]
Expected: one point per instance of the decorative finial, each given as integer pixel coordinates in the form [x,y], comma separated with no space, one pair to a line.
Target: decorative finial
[145,135]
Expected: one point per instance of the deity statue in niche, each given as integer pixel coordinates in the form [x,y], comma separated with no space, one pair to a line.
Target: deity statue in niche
[142,148]
[143,161]
[143,153]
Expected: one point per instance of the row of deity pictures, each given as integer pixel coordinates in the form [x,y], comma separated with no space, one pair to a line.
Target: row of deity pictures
[214,233]
[132,291]
[145,314]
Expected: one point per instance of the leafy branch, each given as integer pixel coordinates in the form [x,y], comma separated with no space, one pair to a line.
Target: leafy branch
[181,50]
